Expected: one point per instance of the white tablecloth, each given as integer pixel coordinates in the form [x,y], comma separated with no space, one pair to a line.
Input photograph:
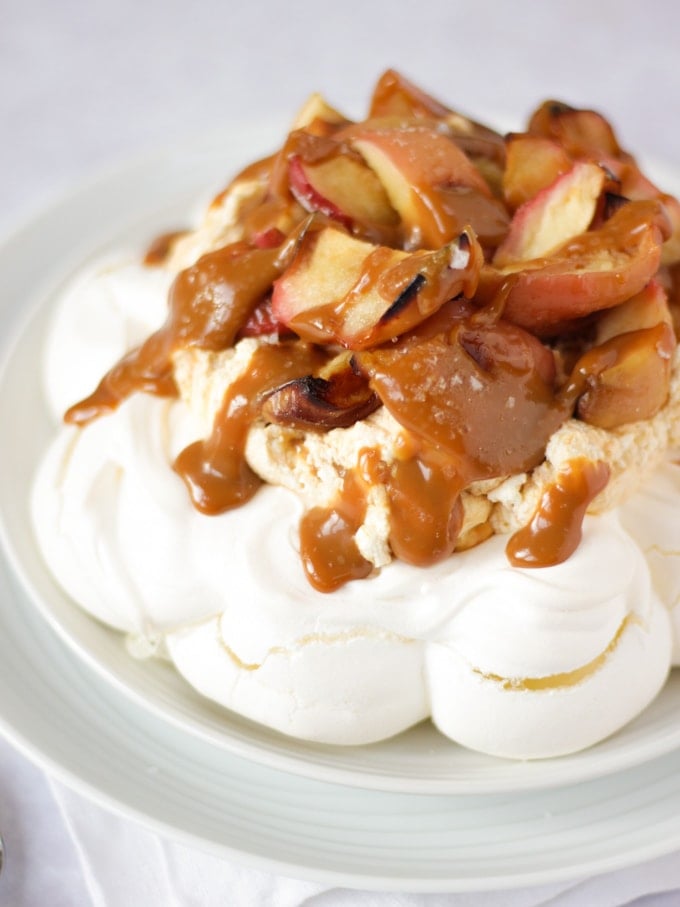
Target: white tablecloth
[84,85]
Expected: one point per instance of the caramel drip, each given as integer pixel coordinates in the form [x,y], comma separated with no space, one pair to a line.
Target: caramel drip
[329,552]
[426,513]
[554,532]
[479,395]
[208,304]
[159,248]
[215,469]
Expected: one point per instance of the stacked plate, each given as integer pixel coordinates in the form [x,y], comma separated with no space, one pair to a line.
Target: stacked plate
[416,812]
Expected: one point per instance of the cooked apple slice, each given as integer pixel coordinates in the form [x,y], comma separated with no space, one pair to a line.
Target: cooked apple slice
[533,163]
[626,375]
[594,271]
[579,132]
[413,165]
[335,398]
[646,309]
[626,378]
[318,117]
[343,188]
[396,96]
[557,214]
[340,289]
[635,185]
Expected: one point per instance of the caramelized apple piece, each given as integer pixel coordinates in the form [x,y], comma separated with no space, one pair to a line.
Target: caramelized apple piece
[646,309]
[396,96]
[533,163]
[336,398]
[343,188]
[340,289]
[557,214]
[633,184]
[627,377]
[426,177]
[594,271]
[318,117]
[579,132]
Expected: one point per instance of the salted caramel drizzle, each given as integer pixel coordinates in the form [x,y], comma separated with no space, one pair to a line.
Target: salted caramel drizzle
[554,531]
[215,470]
[328,548]
[208,304]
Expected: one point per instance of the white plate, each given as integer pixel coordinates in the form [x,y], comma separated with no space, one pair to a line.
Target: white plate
[132,735]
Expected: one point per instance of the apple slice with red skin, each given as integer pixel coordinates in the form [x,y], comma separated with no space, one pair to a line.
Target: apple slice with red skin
[557,214]
[343,290]
[423,172]
[594,271]
[343,188]
[533,162]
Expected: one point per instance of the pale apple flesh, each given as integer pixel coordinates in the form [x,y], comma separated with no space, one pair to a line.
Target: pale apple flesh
[558,213]
[532,163]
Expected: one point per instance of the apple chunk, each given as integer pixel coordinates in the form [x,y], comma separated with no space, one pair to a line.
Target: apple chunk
[646,309]
[596,270]
[626,378]
[343,188]
[532,163]
[414,164]
[343,290]
[558,213]
[579,132]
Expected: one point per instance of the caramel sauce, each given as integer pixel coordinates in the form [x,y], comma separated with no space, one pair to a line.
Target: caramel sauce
[329,552]
[554,532]
[426,513]
[215,469]
[160,247]
[208,304]
[473,394]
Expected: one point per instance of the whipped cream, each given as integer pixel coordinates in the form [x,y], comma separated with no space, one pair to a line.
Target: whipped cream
[519,663]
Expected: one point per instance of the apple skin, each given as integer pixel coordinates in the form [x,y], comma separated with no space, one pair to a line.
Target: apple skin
[596,270]
[558,213]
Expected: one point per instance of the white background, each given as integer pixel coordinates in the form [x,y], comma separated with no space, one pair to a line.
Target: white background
[86,85]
